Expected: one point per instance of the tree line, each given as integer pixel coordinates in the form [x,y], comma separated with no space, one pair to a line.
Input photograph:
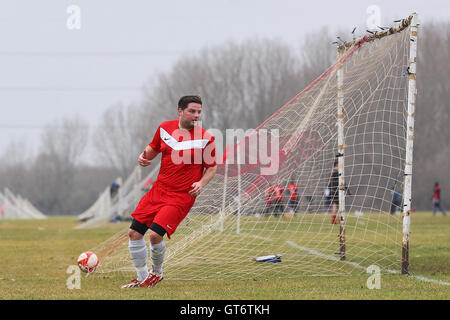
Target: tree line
[242,84]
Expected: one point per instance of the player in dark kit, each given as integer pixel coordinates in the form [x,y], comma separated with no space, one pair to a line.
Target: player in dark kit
[188,163]
[333,186]
[334,195]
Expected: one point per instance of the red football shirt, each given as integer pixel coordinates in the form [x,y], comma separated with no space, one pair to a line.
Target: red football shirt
[184,155]
[278,192]
[292,188]
[437,193]
[269,195]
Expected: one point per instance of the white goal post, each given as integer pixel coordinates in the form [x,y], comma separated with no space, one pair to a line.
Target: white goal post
[412,23]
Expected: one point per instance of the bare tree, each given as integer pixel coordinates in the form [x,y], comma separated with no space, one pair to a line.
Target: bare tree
[431,148]
[66,139]
[117,140]
[241,84]
[13,170]
[52,173]
[317,53]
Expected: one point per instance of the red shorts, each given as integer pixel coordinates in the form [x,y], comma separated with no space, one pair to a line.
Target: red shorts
[163,207]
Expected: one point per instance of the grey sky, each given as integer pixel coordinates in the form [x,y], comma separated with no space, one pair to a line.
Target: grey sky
[48,72]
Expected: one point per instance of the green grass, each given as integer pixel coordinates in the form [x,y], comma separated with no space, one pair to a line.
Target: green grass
[36,254]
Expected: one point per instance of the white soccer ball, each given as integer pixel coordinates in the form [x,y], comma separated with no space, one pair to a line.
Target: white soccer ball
[88,261]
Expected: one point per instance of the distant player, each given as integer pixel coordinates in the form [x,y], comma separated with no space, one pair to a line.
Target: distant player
[278,200]
[333,186]
[269,200]
[188,163]
[326,194]
[437,200]
[396,201]
[292,190]
[334,192]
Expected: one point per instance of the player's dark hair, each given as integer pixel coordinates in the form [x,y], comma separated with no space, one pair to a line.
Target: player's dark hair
[185,100]
[336,161]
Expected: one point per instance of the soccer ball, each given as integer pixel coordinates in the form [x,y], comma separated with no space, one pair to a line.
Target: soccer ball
[88,261]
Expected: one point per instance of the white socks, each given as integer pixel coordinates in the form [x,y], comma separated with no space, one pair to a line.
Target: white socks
[157,252]
[139,255]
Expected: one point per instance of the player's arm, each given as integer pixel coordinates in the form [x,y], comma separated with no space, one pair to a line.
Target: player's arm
[199,185]
[208,175]
[146,157]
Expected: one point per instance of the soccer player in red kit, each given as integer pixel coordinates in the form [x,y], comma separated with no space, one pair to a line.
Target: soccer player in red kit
[188,163]
[292,189]
[278,199]
[437,200]
[269,200]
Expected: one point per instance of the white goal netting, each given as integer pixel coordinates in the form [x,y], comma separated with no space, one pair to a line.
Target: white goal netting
[237,217]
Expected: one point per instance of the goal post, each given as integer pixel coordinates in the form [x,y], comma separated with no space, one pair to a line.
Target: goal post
[412,92]
[360,111]
[340,153]
[412,22]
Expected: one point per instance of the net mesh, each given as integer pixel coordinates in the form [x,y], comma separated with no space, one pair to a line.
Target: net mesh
[235,219]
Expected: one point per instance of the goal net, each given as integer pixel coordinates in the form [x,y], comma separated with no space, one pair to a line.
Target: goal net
[356,112]
[13,206]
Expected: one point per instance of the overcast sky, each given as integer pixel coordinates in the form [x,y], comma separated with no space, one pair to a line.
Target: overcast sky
[51,67]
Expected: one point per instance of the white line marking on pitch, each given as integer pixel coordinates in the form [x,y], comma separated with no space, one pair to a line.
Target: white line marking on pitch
[356,265]
[256,237]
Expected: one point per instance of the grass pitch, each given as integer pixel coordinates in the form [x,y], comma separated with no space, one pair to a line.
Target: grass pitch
[36,255]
